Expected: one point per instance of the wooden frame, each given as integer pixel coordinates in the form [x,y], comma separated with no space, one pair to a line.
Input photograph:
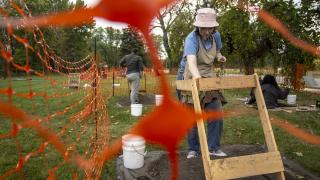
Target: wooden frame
[241,166]
[74,80]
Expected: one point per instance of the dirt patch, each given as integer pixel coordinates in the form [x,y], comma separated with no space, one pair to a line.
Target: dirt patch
[157,166]
[144,98]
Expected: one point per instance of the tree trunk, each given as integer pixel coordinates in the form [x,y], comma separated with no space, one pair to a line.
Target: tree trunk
[298,73]
[248,70]
[248,67]
[165,39]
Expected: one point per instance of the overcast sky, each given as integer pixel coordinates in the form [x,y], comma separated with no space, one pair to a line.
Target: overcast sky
[104,23]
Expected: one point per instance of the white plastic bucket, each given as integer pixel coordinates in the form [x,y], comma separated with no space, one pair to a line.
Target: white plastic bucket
[158,98]
[291,99]
[136,109]
[133,147]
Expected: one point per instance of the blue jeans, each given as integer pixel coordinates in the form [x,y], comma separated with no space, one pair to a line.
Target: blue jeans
[214,130]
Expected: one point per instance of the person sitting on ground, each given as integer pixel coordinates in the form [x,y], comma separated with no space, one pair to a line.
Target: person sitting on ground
[271,92]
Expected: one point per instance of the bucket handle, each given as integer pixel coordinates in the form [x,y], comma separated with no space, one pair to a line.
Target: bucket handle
[144,154]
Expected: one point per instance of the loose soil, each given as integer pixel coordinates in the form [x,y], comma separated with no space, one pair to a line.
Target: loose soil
[156,166]
[144,98]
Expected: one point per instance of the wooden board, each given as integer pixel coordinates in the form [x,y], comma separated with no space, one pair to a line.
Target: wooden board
[219,83]
[74,80]
[201,132]
[184,85]
[244,166]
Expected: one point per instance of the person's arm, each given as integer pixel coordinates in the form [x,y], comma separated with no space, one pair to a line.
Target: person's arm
[252,98]
[190,51]
[283,93]
[217,38]
[140,66]
[192,62]
[123,62]
[181,69]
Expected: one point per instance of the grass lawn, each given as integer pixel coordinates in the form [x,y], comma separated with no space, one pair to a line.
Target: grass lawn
[244,128]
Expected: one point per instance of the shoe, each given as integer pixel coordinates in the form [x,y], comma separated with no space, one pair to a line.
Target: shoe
[218,153]
[192,154]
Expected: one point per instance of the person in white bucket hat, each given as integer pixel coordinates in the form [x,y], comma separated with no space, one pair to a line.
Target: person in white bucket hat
[182,64]
[200,52]
[206,17]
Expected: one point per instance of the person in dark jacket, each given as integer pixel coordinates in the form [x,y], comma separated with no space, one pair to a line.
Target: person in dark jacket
[271,92]
[134,66]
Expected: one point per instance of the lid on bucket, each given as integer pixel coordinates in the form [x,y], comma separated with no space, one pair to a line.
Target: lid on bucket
[131,139]
[136,105]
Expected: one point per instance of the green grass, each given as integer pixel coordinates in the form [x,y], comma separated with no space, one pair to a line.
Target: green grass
[27,140]
[246,129]
[243,129]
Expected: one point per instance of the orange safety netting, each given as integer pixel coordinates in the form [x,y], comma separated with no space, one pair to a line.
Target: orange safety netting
[174,117]
[88,105]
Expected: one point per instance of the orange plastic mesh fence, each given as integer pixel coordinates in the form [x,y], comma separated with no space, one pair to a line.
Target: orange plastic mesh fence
[88,106]
[83,121]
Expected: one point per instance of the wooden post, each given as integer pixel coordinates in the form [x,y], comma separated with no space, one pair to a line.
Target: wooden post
[201,132]
[113,82]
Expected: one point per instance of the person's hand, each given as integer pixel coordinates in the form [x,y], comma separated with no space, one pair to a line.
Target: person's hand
[123,72]
[141,74]
[221,58]
[287,89]
[196,77]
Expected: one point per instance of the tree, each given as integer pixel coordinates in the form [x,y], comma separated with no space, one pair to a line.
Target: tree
[179,30]
[239,38]
[131,38]
[76,41]
[69,44]
[166,18]
[299,21]
[108,44]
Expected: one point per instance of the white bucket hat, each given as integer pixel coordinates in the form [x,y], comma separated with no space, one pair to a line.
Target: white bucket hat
[206,17]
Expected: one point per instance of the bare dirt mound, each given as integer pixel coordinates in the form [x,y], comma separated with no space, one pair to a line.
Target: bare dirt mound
[144,98]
